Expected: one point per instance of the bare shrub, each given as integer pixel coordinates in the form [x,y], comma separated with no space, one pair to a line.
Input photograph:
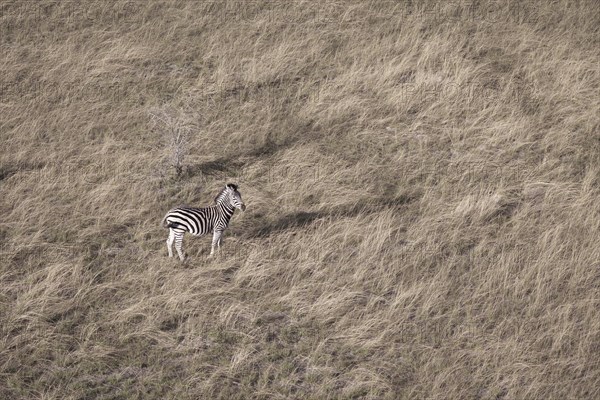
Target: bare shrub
[176,131]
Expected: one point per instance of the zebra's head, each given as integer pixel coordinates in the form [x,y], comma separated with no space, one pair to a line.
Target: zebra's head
[235,198]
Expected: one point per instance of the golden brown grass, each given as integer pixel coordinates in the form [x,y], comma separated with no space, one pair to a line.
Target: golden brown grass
[422,185]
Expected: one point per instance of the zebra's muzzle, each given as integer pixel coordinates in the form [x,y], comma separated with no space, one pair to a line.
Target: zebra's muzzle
[243,207]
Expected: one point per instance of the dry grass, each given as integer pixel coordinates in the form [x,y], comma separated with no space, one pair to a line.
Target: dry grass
[422,186]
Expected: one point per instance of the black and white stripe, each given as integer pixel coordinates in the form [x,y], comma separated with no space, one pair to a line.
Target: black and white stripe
[200,221]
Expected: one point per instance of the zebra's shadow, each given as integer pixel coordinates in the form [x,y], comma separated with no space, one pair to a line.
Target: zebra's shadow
[302,218]
[289,221]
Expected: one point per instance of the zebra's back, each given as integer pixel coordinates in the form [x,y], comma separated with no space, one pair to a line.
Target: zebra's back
[197,221]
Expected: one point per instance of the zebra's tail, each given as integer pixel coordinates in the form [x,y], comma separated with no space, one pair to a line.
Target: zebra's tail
[165,224]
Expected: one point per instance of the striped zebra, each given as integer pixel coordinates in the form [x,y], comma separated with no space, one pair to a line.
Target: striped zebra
[200,221]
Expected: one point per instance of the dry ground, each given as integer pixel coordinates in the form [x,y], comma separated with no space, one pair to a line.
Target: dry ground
[422,183]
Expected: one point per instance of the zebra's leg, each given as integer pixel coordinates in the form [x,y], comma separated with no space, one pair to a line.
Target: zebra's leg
[216,242]
[170,241]
[179,244]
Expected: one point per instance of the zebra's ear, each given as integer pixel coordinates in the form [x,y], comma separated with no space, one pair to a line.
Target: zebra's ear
[231,186]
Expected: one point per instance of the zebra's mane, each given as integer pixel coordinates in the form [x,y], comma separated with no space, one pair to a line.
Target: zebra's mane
[228,186]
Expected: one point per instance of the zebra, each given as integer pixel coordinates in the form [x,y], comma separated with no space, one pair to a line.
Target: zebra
[200,221]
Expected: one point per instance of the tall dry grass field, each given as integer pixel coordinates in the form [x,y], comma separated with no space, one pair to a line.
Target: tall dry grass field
[422,182]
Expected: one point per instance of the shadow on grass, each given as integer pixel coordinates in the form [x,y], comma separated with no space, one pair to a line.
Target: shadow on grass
[8,170]
[221,165]
[270,147]
[289,221]
[231,166]
[300,219]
